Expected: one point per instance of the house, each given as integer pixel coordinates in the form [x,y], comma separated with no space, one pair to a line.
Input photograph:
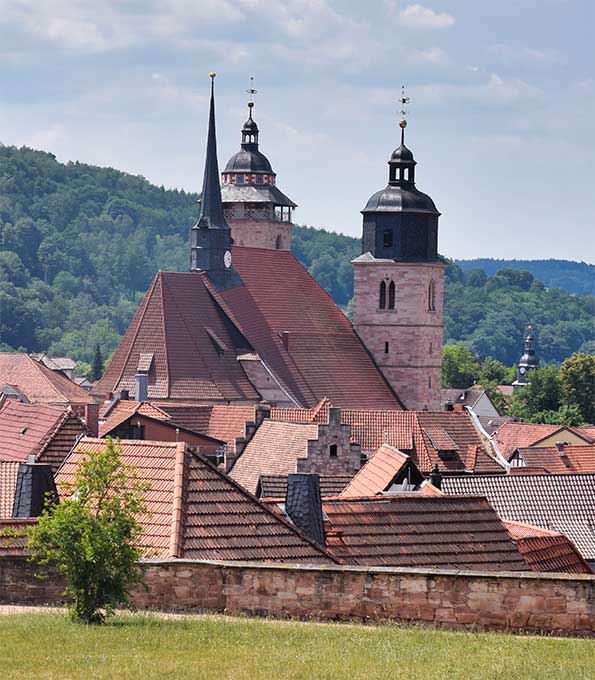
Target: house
[25,379]
[558,502]
[515,435]
[558,459]
[474,398]
[546,550]
[195,511]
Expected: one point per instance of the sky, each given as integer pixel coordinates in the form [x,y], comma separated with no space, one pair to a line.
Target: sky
[501,119]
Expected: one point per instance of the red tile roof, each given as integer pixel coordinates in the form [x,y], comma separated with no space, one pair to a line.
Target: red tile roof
[46,432]
[415,530]
[324,356]
[9,471]
[39,383]
[378,474]
[562,503]
[197,512]
[546,550]
[172,323]
[13,540]
[273,450]
[575,459]
[125,409]
[514,435]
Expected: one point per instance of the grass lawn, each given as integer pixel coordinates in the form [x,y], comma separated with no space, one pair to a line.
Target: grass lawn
[46,646]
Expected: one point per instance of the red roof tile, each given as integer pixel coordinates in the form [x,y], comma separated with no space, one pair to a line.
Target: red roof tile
[9,471]
[514,435]
[39,383]
[171,323]
[214,519]
[546,550]
[379,473]
[13,540]
[414,530]
[47,432]
[221,422]
[575,459]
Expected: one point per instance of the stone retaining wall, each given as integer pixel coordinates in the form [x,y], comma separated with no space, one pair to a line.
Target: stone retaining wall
[525,601]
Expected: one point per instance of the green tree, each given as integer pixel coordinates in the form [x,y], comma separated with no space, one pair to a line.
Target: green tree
[460,369]
[494,371]
[97,363]
[542,394]
[91,536]
[577,374]
[565,415]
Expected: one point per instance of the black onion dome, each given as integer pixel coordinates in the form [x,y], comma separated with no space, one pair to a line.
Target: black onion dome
[402,155]
[247,160]
[397,198]
[250,126]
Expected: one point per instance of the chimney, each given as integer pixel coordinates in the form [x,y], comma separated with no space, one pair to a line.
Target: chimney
[34,482]
[334,416]
[141,387]
[91,417]
[449,406]
[436,477]
[304,506]
[262,412]
[285,339]
[124,395]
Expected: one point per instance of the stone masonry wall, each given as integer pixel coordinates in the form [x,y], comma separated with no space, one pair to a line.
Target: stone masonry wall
[272,235]
[405,342]
[526,601]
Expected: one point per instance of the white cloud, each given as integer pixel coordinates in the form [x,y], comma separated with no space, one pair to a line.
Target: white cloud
[514,56]
[418,16]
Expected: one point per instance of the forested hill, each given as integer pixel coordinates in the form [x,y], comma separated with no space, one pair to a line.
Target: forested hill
[79,246]
[575,277]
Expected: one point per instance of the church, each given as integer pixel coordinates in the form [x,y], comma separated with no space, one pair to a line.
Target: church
[247,323]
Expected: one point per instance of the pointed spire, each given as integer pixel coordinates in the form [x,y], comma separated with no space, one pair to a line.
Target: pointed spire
[211,207]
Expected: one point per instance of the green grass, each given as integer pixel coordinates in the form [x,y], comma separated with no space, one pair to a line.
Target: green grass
[46,646]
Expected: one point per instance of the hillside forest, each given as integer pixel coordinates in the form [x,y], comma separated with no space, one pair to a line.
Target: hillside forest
[80,244]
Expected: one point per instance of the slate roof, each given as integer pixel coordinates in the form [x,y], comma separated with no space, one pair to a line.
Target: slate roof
[273,450]
[515,435]
[412,432]
[380,472]
[462,397]
[197,512]
[576,459]
[414,530]
[39,383]
[46,432]
[9,471]
[173,323]
[275,486]
[564,503]
[325,357]
[546,550]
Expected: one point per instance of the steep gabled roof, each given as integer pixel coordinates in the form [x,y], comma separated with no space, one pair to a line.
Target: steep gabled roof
[546,550]
[323,356]
[197,512]
[172,323]
[563,503]
[415,530]
[39,383]
[572,460]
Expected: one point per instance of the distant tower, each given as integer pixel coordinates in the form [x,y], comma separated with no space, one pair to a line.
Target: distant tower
[398,299]
[211,239]
[528,362]
[259,214]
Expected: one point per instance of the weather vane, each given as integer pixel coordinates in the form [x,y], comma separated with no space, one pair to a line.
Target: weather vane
[404,100]
[251,91]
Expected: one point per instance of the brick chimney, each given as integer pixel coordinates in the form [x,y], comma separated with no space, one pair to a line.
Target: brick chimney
[91,417]
[304,506]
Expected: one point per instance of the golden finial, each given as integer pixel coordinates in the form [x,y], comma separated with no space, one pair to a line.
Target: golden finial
[212,75]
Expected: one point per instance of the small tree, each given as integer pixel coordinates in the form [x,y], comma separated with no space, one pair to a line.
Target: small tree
[97,363]
[577,374]
[459,367]
[92,535]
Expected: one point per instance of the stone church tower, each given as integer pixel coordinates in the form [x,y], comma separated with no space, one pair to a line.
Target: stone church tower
[398,299]
[258,213]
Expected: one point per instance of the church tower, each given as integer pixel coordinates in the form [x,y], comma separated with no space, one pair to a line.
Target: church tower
[257,211]
[398,302]
[211,239]
[528,362]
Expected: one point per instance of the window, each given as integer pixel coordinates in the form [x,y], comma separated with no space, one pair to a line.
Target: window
[382,304]
[430,348]
[239,179]
[430,381]
[432,296]
[386,347]
[278,242]
[387,238]
[391,295]
[332,449]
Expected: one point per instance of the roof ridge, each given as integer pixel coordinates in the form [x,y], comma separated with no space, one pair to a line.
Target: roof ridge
[38,366]
[175,540]
[162,280]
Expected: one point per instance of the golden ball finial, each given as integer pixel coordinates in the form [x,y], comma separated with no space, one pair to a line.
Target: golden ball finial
[212,74]
[403,124]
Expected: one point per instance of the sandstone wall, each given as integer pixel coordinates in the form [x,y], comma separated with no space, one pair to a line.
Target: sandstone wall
[527,601]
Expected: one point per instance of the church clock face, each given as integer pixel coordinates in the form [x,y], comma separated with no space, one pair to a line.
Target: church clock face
[227,259]
[523,370]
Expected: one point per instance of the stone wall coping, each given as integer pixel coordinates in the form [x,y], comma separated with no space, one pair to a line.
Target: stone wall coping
[397,571]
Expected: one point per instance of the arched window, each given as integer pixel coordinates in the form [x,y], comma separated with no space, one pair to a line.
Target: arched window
[432,296]
[382,303]
[391,295]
